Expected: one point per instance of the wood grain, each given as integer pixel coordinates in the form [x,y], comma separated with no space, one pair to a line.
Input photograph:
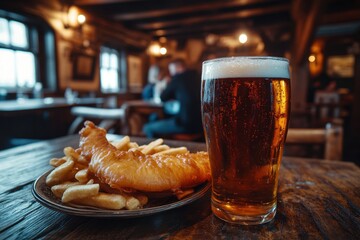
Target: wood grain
[317,200]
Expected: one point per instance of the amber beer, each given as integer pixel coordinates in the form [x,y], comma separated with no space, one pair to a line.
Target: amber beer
[245,111]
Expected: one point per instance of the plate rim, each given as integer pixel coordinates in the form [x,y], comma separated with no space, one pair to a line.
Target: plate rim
[107,213]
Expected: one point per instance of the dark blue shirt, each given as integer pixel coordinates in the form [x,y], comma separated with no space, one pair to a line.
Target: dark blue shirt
[185,88]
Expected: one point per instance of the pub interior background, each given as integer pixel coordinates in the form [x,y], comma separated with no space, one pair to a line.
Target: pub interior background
[104,49]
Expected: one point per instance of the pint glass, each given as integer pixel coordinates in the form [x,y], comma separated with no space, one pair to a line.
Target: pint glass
[245,112]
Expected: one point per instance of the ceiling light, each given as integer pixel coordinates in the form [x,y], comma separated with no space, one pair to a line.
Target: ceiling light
[312,58]
[211,39]
[71,17]
[154,49]
[163,51]
[243,38]
[81,19]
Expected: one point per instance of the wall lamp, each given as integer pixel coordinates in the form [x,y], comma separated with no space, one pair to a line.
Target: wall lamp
[155,49]
[72,18]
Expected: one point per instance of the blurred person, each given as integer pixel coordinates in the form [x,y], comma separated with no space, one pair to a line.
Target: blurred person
[184,87]
[153,77]
[160,85]
[157,81]
[318,83]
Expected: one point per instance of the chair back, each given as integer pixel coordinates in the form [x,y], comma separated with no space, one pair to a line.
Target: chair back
[331,137]
[106,118]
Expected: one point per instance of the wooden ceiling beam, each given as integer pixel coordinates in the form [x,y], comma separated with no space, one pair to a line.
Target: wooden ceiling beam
[185,9]
[200,29]
[212,18]
[100,2]
[341,17]
[219,28]
[130,37]
[306,20]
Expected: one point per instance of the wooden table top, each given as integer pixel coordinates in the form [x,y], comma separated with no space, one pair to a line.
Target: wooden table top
[318,199]
[22,105]
[143,103]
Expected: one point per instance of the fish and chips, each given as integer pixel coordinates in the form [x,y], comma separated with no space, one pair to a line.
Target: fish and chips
[122,174]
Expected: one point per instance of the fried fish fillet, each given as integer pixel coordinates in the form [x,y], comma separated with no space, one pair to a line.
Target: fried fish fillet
[140,172]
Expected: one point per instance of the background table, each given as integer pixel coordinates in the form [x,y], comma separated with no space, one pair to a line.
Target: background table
[317,200]
[137,113]
[34,119]
[22,106]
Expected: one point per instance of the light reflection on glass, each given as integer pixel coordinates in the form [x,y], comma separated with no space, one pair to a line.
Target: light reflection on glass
[113,61]
[109,75]
[7,68]
[25,68]
[18,34]
[105,60]
[4,31]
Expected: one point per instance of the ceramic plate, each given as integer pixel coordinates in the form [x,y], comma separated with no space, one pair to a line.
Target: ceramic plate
[43,194]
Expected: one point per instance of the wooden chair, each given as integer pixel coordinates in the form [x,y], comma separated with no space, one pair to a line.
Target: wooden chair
[108,117]
[325,108]
[331,137]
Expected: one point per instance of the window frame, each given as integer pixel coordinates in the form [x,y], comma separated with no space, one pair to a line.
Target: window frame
[120,76]
[31,34]
[42,43]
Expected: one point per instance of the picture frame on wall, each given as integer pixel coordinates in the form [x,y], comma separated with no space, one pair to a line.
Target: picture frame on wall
[341,66]
[135,73]
[83,67]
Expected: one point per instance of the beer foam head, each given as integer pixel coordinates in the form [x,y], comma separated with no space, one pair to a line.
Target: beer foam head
[251,67]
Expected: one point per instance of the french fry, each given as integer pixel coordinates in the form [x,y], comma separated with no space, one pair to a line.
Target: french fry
[58,190]
[132,203]
[55,162]
[91,181]
[60,174]
[173,151]
[161,148]
[151,145]
[142,199]
[132,145]
[103,200]
[78,166]
[70,152]
[122,143]
[82,175]
[71,174]
[82,160]
[139,148]
[80,191]
[180,195]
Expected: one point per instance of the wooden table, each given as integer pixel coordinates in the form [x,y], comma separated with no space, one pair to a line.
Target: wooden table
[137,113]
[21,106]
[38,118]
[318,199]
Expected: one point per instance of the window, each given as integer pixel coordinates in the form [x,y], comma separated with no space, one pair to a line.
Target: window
[110,70]
[18,54]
